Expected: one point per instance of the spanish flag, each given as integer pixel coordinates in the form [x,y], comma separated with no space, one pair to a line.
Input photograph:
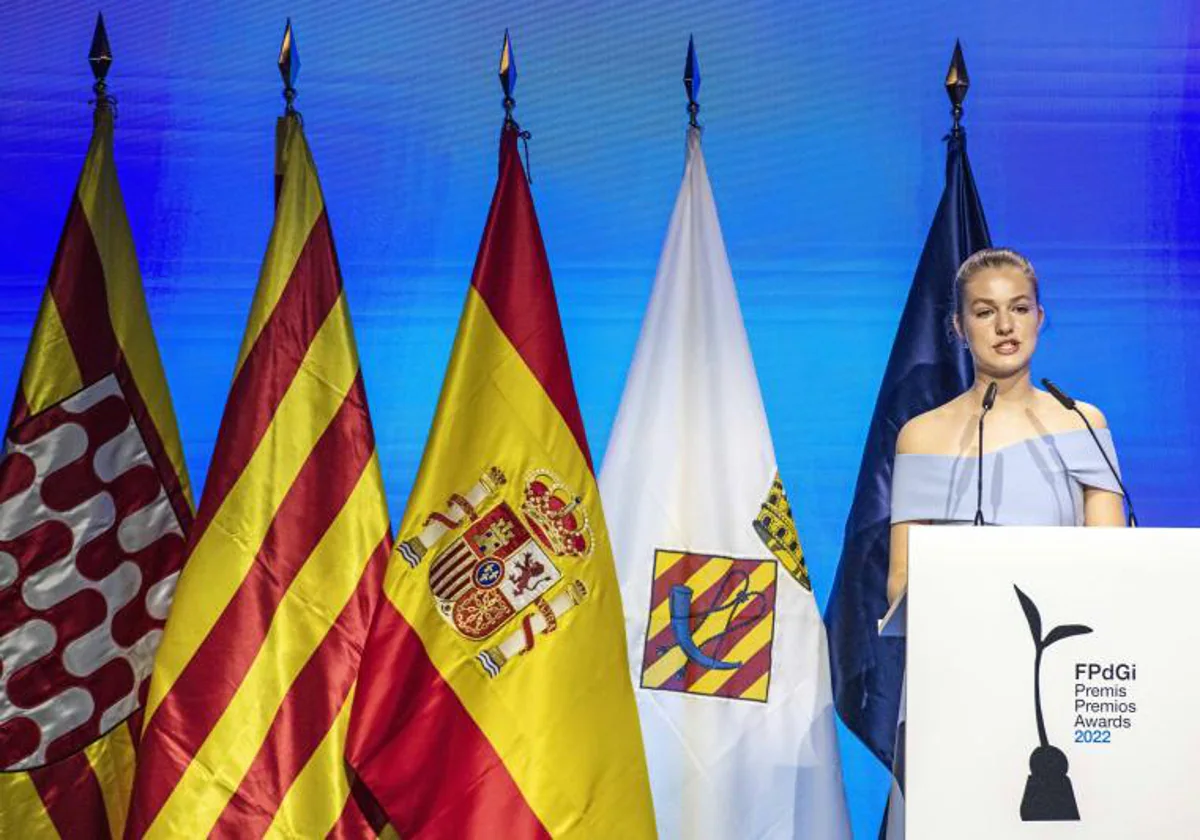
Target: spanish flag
[94,506]
[494,697]
[250,698]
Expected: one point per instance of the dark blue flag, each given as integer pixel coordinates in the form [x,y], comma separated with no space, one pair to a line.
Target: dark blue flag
[927,368]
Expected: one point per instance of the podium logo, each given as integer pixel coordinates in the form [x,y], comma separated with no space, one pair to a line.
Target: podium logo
[1049,796]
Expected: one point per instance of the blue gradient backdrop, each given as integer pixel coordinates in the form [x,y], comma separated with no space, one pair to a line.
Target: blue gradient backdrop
[824,125]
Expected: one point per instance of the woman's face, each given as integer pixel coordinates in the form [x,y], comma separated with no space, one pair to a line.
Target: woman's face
[1000,319]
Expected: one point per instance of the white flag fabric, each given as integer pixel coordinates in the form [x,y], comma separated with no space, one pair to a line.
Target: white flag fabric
[727,648]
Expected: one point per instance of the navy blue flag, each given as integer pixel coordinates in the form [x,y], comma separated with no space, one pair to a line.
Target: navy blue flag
[927,368]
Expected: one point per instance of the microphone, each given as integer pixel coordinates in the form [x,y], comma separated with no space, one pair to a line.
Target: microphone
[1069,404]
[989,400]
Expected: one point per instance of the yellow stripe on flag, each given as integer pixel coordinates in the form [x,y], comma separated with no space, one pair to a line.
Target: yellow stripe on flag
[304,616]
[51,373]
[104,209]
[227,549]
[758,691]
[21,806]
[113,761]
[291,231]
[315,801]
[567,762]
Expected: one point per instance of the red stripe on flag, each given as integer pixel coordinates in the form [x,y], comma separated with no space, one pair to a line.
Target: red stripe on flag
[352,824]
[79,291]
[420,752]
[271,364]
[309,709]
[362,816]
[154,445]
[20,409]
[750,673]
[513,278]
[80,294]
[134,722]
[74,801]
[197,700]
[77,286]
[684,568]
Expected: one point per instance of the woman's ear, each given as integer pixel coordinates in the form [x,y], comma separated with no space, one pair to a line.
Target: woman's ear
[958,330]
[1041,317]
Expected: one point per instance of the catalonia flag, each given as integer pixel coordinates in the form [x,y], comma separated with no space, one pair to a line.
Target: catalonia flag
[494,697]
[94,506]
[250,698]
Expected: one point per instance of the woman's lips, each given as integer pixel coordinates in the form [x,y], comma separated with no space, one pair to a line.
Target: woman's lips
[1007,347]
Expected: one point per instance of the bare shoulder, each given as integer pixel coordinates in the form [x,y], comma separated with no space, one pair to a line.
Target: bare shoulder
[1062,420]
[926,434]
[1094,415]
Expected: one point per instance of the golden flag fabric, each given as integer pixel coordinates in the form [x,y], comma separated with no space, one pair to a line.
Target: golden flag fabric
[494,696]
[251,692]
[94,508]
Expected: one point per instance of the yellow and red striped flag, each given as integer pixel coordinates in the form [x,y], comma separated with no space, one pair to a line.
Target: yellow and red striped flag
[94,506]
[250,698]
[494,697]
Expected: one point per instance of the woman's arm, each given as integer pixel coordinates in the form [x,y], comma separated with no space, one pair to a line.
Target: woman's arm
[1103,507]
[897,579]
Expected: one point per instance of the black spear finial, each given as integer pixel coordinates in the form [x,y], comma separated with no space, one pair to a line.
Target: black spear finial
[289,68]
[508,76]
[691,82]
[100,57]
[957,84]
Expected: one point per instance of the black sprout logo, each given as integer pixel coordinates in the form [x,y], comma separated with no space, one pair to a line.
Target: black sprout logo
[1048,792]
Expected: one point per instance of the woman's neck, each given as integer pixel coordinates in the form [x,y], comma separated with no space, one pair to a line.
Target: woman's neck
[1010,390]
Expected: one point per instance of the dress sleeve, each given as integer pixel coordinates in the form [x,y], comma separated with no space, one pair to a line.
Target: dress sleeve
[919,488]
[1087,466]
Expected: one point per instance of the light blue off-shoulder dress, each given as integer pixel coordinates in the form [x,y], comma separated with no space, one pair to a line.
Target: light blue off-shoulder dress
[1038,481]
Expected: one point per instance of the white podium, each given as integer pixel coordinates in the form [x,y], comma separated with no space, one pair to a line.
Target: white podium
[1116,752]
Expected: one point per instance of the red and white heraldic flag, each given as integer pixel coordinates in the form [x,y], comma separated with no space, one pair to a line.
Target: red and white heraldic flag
[94,508]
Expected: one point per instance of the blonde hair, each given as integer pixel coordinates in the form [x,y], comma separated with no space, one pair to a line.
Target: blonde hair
[991,258]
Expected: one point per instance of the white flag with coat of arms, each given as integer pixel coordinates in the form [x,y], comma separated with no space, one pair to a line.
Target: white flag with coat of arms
[726,645]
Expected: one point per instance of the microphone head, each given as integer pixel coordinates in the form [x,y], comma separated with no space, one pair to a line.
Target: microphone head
[989,396]
[1065,401]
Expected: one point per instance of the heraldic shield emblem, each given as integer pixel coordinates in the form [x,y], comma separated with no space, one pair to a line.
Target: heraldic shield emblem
[490,573]
[711,626]
[506,566]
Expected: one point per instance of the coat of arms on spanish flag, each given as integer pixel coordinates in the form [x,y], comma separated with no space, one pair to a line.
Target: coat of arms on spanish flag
[94,509]
[494,698]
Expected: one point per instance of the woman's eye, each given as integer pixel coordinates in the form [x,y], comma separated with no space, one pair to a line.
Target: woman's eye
[1021,310]
[982,313]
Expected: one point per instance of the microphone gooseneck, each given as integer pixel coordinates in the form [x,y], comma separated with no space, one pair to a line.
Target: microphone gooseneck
[1069,405]
[1065,401]
[989,400]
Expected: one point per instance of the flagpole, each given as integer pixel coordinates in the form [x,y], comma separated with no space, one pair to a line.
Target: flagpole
[691,83]
[100,58]
[957,84]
